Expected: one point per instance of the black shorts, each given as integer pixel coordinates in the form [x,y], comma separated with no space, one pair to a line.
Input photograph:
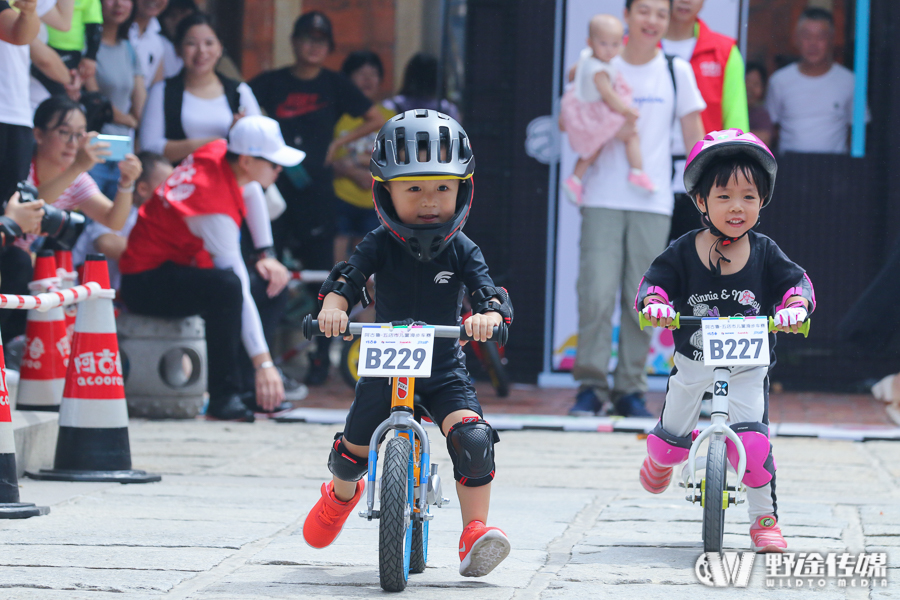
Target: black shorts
[440,394]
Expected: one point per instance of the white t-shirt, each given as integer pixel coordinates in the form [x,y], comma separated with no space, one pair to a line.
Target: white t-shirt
[15,78]
[814,113]
[588,66]
[683,49]
[200,117]
[605,183]
[172,63]
[149,47]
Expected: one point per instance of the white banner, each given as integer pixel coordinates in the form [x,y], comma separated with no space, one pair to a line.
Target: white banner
[720,15]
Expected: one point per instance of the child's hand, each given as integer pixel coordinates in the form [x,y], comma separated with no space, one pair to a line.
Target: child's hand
[333,322]
[660,315]
[481,327]
[789,319]
[631,114]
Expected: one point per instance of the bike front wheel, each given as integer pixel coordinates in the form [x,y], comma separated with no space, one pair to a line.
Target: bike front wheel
[496,370]
[714,495]
[395,526]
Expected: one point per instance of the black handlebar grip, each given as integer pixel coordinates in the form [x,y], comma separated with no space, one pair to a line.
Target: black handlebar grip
[310,327]
[500,334]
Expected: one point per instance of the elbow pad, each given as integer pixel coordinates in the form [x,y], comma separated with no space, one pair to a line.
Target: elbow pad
[804,289]
[10,230]
[482,302]
[353,290]
[93,34]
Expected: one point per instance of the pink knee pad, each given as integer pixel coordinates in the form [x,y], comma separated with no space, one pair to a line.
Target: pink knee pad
[760,462]
[668,450]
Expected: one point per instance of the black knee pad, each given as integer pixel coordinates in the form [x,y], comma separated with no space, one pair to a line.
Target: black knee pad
[345,465]
[471,447]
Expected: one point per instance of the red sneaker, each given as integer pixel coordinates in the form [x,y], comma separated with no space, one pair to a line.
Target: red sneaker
[326,519]
[481,548]
[766,535]
[655,478]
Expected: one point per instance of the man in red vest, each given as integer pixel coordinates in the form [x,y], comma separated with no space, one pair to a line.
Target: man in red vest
[719,70]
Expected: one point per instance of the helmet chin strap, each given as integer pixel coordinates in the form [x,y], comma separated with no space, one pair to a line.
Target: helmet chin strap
[723,240]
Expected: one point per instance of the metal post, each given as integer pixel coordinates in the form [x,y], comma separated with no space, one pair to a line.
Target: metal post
[861,74]
[553,193]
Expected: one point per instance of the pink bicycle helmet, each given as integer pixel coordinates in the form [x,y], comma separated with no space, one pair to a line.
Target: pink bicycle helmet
[724,143]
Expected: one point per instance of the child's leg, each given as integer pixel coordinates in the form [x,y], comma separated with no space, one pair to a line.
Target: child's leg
[633,152]
[481,548]
[582,164]
[474,502]
[345,490]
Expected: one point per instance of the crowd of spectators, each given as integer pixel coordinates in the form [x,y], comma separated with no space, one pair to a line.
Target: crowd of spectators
[807,108]
[155,72]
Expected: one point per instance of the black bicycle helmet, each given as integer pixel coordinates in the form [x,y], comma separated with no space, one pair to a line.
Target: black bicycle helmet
[448,155]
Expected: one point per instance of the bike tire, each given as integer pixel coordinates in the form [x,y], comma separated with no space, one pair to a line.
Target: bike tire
[394,521]
[350,361]
[417,555]
[713,513]
[496,371]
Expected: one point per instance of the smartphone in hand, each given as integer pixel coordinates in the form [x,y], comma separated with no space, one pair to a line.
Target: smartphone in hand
[119,146]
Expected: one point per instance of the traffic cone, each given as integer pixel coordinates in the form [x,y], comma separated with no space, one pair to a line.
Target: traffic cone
[10,507]
[68,278]
[42,374]
[93,417]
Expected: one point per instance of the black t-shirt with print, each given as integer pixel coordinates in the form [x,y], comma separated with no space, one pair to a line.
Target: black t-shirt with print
[307,111]
[695,290]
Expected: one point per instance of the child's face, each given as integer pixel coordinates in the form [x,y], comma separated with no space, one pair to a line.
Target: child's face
[145,188]
[606,39]
[424,202]
[734,208]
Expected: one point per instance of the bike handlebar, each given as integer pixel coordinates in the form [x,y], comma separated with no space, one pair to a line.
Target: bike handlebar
[500,335]
[678,321]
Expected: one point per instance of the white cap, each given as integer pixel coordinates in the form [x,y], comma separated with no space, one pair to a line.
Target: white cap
[261,137]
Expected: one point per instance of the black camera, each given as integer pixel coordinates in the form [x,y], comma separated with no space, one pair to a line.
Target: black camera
[62,226]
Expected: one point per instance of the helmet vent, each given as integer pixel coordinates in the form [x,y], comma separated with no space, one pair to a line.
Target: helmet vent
[400,136]
[444,133]
[422,147]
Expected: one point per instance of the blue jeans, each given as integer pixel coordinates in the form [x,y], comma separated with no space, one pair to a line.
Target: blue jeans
[107,177]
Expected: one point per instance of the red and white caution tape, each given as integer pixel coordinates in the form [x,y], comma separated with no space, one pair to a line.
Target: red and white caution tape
[48,300]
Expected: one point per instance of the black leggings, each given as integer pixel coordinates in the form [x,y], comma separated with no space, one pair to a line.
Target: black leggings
[215,294]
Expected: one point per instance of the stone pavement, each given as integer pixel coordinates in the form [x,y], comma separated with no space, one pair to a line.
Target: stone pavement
[225,521]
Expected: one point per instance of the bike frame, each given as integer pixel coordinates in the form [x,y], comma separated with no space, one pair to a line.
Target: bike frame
[403,421]
[718,427]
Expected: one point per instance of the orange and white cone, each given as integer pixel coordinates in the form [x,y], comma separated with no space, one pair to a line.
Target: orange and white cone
[68,278]
[93,417]
[42,374]
[10,507]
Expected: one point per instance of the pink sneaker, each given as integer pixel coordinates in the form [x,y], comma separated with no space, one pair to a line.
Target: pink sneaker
[655,478]
[766,535]
[572,188]
[642,181]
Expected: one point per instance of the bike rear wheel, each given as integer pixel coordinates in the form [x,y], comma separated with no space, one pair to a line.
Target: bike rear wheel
[714,492]
[493,364]
[350,361]
[395,526]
